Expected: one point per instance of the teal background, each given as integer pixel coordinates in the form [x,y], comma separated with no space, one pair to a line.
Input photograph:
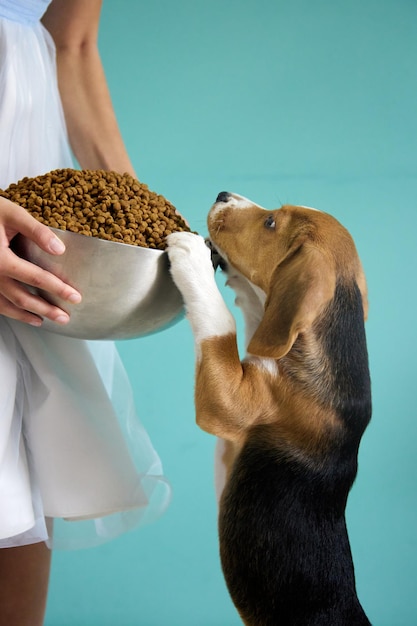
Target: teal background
[302,101]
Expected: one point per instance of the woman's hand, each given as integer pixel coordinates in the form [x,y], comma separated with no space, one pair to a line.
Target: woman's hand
[16,301]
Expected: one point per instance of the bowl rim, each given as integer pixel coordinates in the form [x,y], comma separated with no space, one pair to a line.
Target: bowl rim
[71,233]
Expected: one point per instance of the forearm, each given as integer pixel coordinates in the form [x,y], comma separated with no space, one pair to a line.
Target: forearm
[91,121]
[93,130]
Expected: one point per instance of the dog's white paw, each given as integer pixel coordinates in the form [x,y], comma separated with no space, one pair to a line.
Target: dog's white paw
[193,273]
[190,261]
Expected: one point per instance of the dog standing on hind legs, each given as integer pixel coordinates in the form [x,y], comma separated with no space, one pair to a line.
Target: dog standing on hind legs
[291,413]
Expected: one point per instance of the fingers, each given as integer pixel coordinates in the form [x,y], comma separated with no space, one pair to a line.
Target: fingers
[17,220]
[16,312]
[18,302]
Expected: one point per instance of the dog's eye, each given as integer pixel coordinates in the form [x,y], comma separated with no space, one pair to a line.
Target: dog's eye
[269,222]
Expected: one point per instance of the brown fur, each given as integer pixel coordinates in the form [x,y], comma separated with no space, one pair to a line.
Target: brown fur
[297,265]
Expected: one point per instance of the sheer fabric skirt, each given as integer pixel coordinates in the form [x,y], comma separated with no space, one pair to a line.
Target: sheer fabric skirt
[72,448]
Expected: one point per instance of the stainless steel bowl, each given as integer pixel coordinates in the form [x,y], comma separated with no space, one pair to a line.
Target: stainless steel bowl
[127,290]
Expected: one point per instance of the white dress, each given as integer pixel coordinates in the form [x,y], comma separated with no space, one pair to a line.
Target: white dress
[72,449]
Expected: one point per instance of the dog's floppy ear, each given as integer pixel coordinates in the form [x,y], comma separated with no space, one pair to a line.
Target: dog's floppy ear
[301,285]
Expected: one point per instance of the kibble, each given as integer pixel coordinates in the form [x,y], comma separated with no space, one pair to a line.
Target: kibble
[99,203]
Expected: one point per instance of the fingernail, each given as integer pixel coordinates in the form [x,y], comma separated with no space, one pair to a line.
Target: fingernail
[62,319]
[57,246]
[36,323]
[74,298]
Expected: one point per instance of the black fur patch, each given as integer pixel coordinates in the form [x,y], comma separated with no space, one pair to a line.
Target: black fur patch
[283,540]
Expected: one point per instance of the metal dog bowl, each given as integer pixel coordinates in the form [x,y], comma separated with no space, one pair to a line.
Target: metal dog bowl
[127,291]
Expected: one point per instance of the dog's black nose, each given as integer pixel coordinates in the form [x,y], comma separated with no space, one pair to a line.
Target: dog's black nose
[223,196]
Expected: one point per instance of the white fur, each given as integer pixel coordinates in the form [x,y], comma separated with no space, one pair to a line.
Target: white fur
[249,298]
[193,273]
[310,208]
[220,467]
[235,201]
[270,366]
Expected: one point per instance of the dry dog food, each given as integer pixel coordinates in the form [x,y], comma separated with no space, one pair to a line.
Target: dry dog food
[100,204]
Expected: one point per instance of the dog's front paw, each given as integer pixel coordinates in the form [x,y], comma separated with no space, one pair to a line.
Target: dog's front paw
[190,260]
[193,273]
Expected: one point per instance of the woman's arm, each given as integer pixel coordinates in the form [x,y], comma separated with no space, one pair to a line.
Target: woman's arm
[92,126]
[97,144]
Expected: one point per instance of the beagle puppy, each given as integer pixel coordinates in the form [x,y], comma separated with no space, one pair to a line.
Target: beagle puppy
[291,413]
